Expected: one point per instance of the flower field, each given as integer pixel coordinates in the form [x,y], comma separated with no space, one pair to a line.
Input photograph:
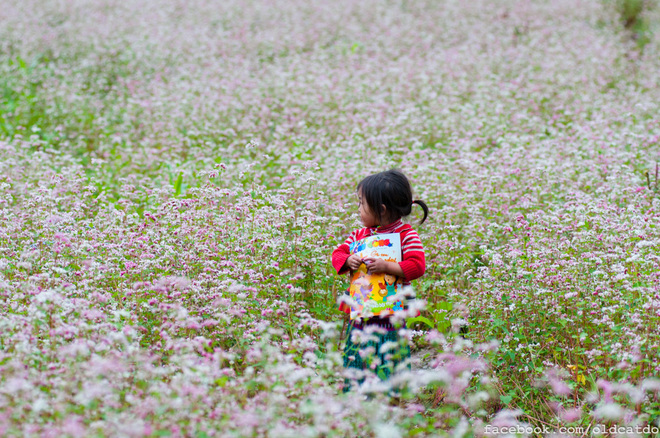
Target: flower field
[175,174]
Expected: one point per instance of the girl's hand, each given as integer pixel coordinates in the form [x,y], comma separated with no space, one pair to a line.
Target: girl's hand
[376,266]
[353,262]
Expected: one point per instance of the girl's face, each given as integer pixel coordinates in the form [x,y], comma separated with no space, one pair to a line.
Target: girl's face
[366,215]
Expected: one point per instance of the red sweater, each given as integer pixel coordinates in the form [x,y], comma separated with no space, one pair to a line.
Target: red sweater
[413,262]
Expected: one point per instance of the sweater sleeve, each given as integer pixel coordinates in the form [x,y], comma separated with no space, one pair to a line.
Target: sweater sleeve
[413,264]
[341,253]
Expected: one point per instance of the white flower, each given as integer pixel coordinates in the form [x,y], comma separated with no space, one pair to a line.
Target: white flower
[387,430]
[609,411]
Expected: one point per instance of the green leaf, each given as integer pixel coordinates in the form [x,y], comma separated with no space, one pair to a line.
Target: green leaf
[506,399]
[443,305]
[177,184]
[426,321]
[443,326]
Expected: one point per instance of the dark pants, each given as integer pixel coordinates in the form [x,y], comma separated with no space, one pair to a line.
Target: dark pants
[381,361]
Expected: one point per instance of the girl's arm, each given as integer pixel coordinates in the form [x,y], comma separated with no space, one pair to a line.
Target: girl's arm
[341,254]
[414,260]
[413,266]
[339,257]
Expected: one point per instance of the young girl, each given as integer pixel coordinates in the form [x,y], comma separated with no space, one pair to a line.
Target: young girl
[383,199]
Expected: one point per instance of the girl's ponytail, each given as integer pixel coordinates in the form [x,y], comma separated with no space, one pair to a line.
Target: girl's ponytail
[424,207]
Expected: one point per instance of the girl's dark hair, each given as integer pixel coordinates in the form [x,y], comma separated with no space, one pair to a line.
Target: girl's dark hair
[392,189]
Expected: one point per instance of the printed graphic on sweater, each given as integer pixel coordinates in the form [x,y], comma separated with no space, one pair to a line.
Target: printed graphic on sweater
[371,291]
